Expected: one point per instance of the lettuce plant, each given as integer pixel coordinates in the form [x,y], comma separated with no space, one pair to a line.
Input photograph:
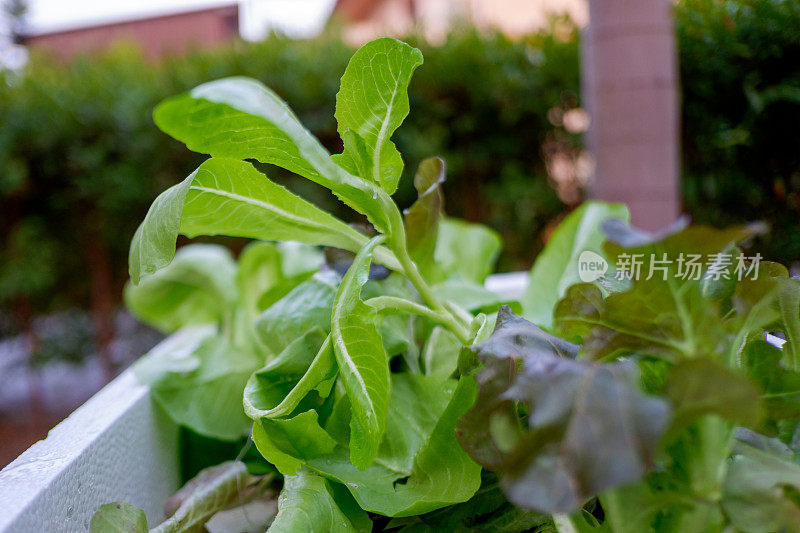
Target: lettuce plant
[383,389]
[654,402]
[343,373]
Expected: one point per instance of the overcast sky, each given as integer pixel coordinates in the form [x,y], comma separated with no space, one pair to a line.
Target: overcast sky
[301,17]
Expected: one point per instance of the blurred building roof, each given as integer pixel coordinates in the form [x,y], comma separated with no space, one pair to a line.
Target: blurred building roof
[163,32]
[52,16]
[167,25]
[162,26]
[367,19]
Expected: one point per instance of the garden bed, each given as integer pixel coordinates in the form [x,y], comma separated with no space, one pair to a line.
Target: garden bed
[628,388]
[117,446]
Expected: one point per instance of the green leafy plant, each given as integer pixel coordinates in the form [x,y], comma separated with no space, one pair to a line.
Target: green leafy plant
[373,387]
[346,383]
[653,403]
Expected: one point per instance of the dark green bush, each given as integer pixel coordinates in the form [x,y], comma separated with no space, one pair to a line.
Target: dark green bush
[740,76]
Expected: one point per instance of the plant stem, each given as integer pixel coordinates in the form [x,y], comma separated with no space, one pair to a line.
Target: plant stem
[447,317]
[403,305]
[397,243]
[707,466]
[412,273]
[386,258]
[461,314]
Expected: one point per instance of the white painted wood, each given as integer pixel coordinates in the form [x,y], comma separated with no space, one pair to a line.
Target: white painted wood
[116,446]
[775,341]
[509,284]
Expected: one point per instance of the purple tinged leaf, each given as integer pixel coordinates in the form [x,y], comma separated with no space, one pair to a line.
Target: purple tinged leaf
[781,386]
[589,425]
[702,386]
[422,218]
[212,490]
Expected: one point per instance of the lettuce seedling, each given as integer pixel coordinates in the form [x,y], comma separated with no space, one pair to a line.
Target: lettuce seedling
[349,383]
[386,402]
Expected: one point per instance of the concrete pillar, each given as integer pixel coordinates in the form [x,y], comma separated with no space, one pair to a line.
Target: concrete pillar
[630,89]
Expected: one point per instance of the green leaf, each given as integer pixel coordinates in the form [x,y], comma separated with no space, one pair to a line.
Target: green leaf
[420,466]
[175,354]
[780,386]
[215,369]
[242,119]
[422,218]
[590,428]
[487,510]
[396,329]
[371,104]
[212,490]
[290,442]
[761,490]
[644,320]
[118,517]
[259,271]
[756,304]
[789,301]
[198,287]
[632,508]
[704,386]
[305,307]
[556,267]
[277,389]
[440,354]
[362,359]
[473,262]
[720,279]
[230,197]
[298,259]
[665,313]
[267,271]
[309,503]
[153,244]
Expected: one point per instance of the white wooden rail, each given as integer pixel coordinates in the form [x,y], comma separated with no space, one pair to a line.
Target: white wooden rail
[116,446]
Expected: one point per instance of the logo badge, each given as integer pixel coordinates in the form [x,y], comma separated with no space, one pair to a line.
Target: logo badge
[591,266]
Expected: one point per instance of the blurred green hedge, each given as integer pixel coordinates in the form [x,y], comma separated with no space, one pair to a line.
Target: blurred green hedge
[740,76]
[80,158]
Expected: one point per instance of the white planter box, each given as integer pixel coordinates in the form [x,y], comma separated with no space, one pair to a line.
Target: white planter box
[116,446]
